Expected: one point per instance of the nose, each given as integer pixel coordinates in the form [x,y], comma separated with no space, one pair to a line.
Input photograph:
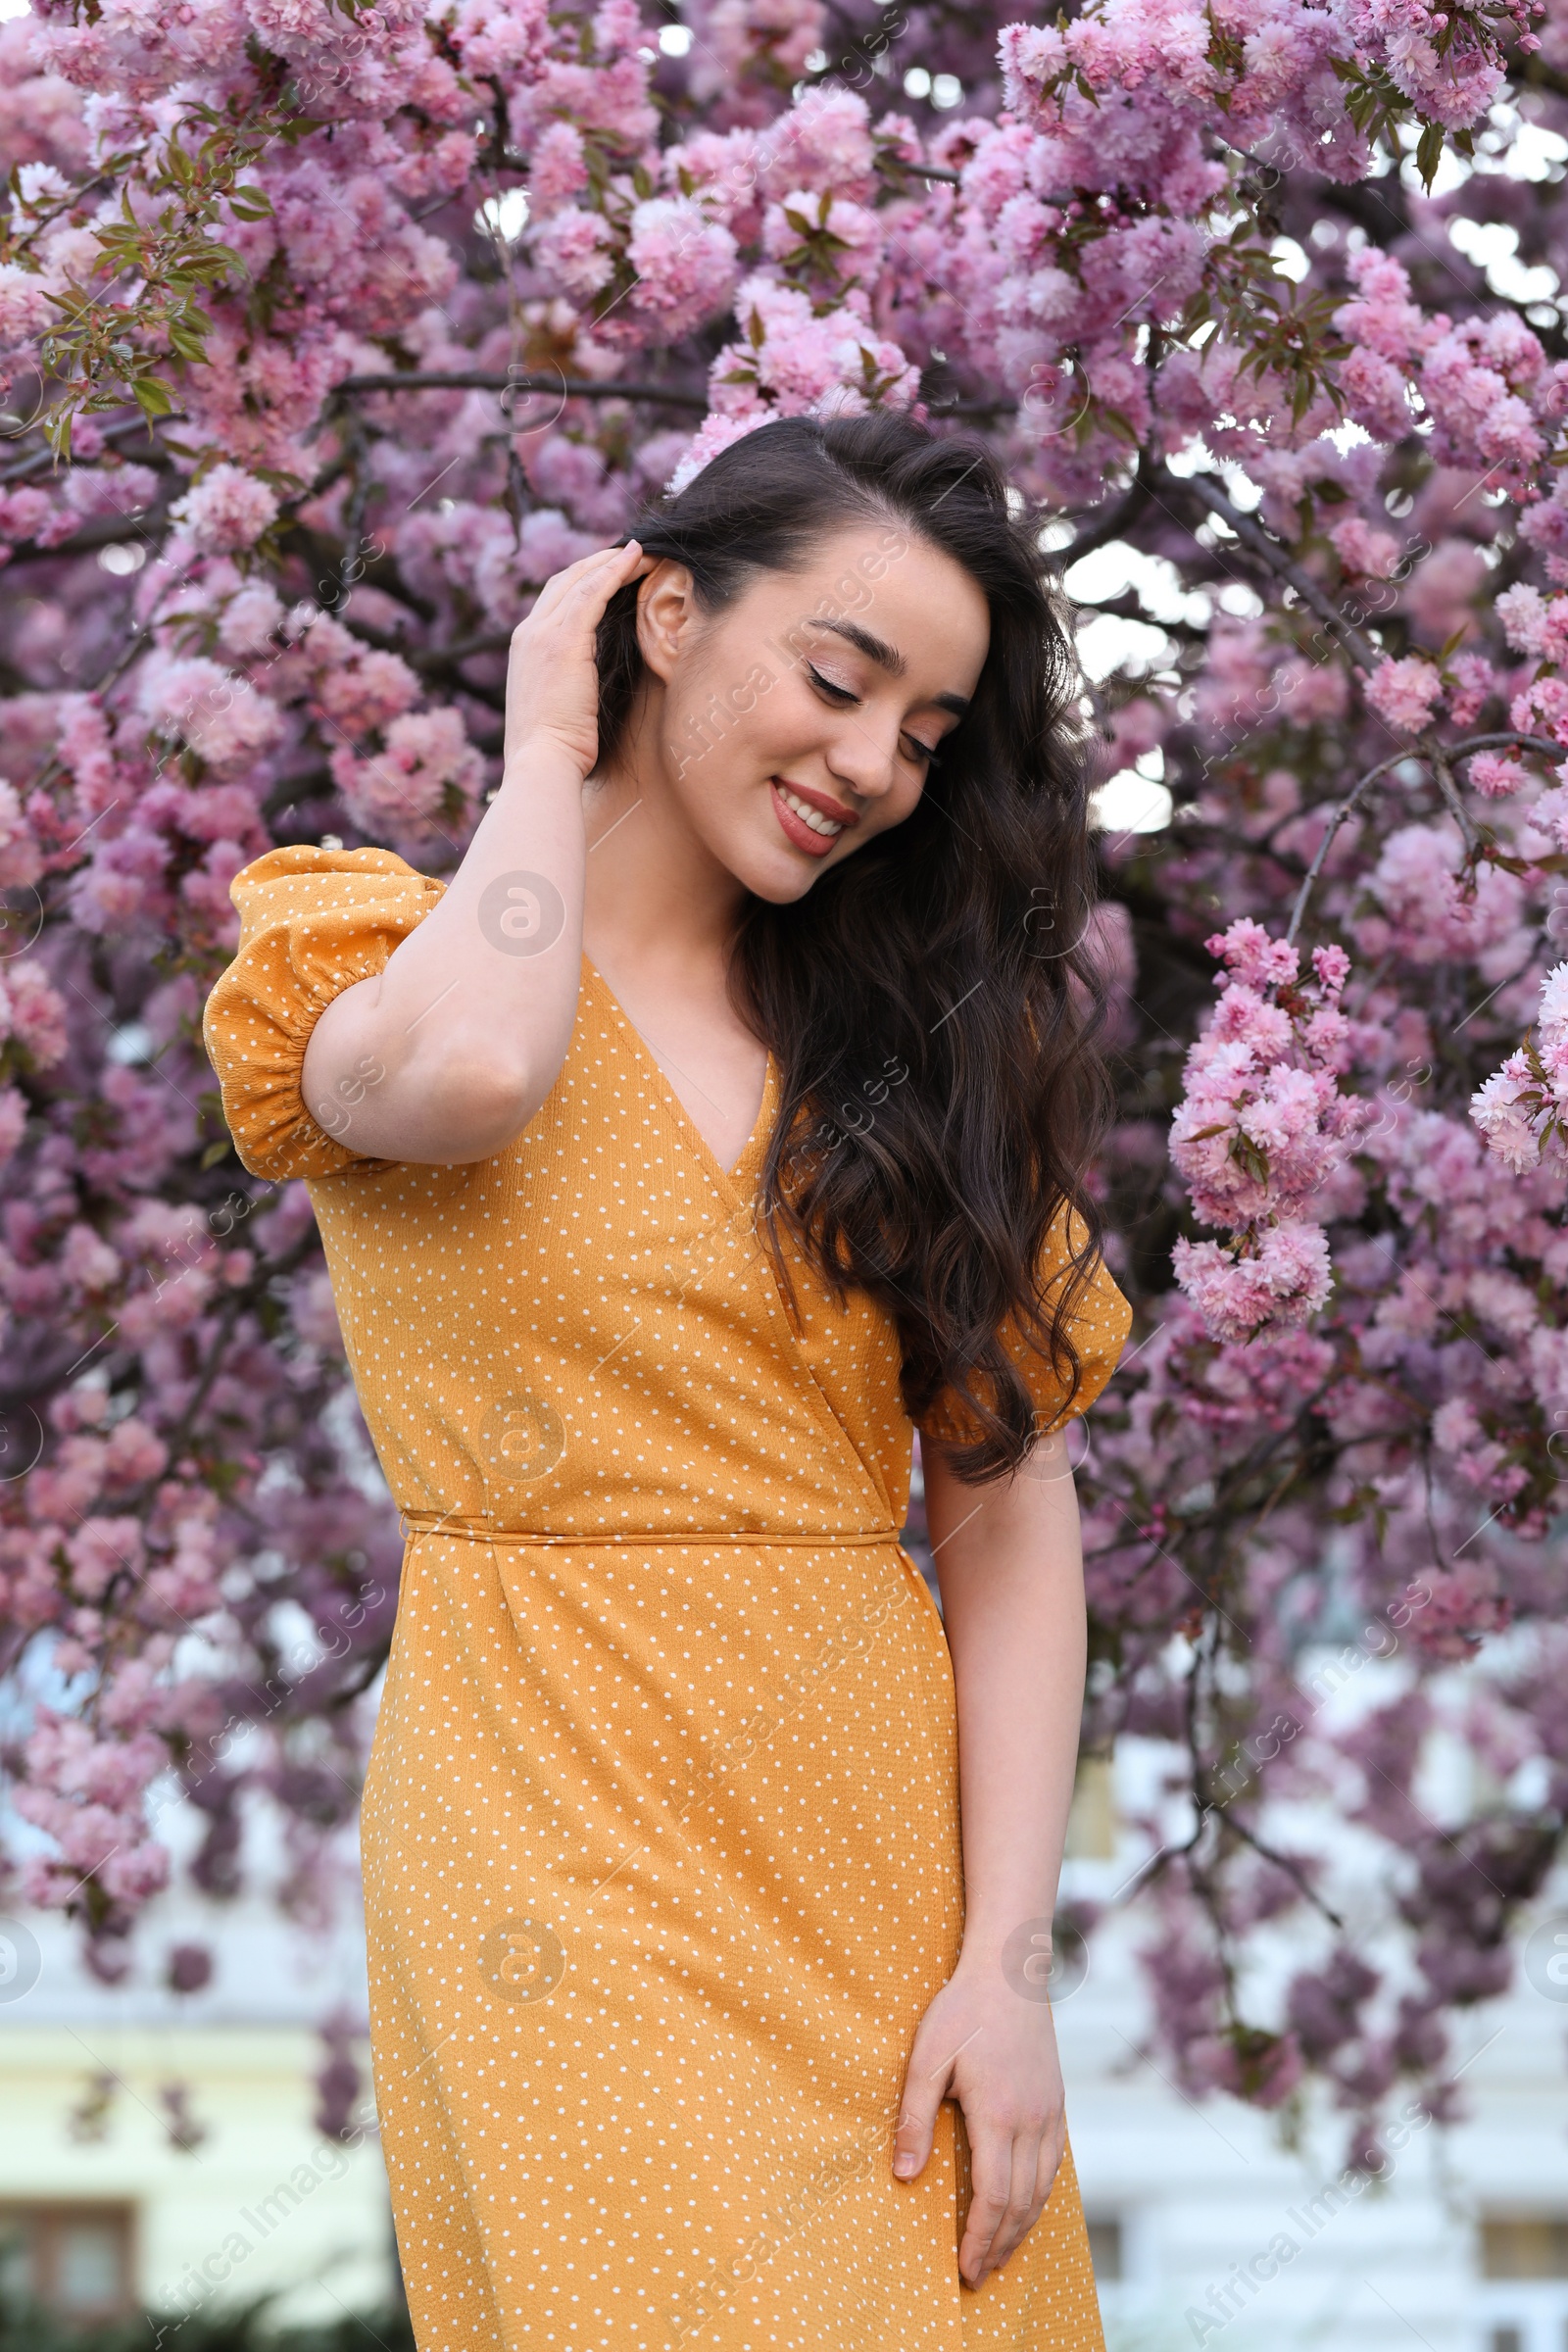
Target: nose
[862,755]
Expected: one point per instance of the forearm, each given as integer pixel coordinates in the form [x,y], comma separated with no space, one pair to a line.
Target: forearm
[1012,1577]
[448,1054]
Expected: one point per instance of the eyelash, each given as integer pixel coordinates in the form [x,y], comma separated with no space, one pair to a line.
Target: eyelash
[843,693]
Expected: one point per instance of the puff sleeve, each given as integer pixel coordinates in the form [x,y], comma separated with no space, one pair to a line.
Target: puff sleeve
[1098,1325]
[312,923]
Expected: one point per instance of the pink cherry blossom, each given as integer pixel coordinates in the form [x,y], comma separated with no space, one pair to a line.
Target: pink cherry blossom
[226,509]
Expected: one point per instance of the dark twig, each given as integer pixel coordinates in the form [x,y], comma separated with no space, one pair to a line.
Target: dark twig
[1292,1870]
[1453,803]
[1442,758]
[571,387]
[1342,816]
[43,461]
[1110,524]
[1268,551]
[100,530]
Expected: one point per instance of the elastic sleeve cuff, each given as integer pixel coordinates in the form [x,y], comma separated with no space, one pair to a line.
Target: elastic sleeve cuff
[312,923]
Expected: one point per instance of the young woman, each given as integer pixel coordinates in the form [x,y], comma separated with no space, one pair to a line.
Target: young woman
[724,1116]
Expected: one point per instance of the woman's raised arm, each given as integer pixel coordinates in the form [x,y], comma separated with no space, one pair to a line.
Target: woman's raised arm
[449,1053]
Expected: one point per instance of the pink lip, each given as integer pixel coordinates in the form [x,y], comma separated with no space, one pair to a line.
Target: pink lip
[795,831]
[823,801]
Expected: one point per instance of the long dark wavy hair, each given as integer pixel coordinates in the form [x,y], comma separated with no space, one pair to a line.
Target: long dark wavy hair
[932,1002]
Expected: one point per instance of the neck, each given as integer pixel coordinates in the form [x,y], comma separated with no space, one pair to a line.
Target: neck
[655,896]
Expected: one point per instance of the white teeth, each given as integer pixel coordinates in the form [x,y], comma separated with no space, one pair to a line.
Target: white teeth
[808,816]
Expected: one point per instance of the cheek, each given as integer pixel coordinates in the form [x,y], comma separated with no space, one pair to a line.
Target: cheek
[902,802]
[720,783]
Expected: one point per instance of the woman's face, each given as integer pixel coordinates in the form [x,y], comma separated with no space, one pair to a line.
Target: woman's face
[802,721]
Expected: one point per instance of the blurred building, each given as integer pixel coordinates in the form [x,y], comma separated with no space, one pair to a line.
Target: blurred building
[159,2148]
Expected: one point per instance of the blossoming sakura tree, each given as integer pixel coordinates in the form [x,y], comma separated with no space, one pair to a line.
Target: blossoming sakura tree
[329,332]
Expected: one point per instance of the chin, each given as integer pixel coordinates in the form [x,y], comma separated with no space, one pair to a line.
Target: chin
[780,877]
[752,848]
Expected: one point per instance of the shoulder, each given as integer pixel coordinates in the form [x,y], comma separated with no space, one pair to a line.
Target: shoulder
[303,879]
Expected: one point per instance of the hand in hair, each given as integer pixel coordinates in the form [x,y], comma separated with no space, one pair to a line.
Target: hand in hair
[552,670]
[467,1026]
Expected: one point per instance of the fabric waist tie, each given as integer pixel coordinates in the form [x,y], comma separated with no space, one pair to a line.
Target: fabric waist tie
[432,1523]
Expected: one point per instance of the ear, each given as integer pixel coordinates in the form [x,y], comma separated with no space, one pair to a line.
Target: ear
[666,607]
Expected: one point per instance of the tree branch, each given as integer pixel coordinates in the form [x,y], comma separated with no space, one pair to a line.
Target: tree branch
[100,530]
[1273,556]
[1292,1870]
[1441,758]
[571,387]
[43,461]
[1111,525]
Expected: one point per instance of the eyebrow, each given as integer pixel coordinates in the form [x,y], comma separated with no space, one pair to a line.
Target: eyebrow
[887,658]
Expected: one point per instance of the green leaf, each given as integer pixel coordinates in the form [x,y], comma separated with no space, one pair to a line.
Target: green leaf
[212,254]
[154,397]
[214,1152]
[1429,154]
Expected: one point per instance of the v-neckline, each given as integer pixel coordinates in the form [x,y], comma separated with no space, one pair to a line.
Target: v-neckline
[739,1180]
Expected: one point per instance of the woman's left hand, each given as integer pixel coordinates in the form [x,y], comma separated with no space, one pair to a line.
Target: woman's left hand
[993,2051]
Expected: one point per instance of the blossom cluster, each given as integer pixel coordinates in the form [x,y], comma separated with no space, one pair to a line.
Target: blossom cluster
[1522,1110]
[1261,1128]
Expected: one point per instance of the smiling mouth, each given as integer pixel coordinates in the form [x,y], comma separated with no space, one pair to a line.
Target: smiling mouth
[805,823]
[829,828]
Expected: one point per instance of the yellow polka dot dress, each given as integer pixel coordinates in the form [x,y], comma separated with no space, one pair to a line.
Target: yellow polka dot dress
[661,1833]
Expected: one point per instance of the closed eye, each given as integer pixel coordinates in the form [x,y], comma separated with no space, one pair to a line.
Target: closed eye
[842,695]
[828,686]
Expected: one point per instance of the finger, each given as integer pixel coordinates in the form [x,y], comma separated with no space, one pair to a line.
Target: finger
[923,2093]
[1037,2159]
[1022,2211]
[992,2173]
[620,565]
[559,585]
[591,593]
[1047,2164]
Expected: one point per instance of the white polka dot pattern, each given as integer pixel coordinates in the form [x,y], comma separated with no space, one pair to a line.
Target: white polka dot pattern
[661,1831]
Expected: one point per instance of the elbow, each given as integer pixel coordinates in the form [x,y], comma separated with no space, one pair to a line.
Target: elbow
[478,1110]
[446,1107]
